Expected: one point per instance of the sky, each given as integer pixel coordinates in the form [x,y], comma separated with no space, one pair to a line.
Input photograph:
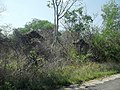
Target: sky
[19,12]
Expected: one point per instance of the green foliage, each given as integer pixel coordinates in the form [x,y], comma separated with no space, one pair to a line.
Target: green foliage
[107,46]
[40,79]
[76,20]
[36,59]
[87,72]
[107,43]
[73,53]
[36,24]
[111,14]
[78,58]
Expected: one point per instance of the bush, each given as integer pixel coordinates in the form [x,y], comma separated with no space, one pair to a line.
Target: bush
[106,46]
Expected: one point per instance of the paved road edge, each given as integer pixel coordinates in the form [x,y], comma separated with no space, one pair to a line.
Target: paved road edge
[92,82]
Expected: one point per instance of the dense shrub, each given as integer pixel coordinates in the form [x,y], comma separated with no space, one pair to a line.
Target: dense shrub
[106,46]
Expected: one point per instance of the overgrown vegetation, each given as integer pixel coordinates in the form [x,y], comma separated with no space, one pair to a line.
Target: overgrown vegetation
[30,61]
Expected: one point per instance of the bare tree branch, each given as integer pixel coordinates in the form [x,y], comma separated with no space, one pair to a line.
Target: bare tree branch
[64,8]
[62,14]
[59,11]
[61,6]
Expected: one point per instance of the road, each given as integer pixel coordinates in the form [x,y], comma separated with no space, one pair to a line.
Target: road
[110,85]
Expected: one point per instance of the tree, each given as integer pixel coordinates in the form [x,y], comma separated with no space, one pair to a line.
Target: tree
[37,24]
[76,21]
[60,8]
[111,16]
[106,44]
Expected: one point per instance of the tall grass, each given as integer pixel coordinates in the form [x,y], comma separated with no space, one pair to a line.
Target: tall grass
[41,79]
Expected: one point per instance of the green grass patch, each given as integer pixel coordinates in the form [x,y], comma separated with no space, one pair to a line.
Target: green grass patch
[38,79]
[85,72]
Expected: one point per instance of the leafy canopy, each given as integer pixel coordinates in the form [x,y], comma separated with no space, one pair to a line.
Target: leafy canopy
[36,24]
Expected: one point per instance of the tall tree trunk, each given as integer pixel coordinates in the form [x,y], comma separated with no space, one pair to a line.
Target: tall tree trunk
[57,24]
